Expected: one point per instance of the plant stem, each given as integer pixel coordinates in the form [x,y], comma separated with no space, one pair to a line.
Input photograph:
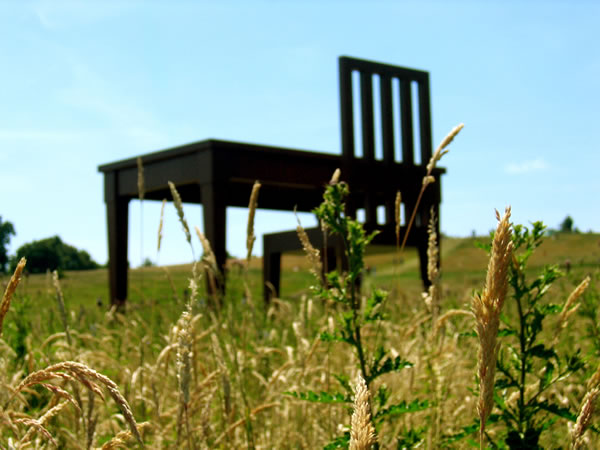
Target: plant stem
[523,344]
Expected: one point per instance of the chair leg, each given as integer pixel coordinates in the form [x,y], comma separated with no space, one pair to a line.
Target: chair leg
[271,273]
[213,203]
[118,216]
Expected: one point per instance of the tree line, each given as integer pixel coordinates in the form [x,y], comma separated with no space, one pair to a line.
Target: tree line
[42,255]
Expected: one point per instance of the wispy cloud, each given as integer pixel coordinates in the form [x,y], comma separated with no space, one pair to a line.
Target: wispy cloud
[39,135]
[53,14]
[534,165]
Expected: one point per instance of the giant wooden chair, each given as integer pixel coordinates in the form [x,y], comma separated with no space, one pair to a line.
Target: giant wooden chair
[219,173]
[404,131]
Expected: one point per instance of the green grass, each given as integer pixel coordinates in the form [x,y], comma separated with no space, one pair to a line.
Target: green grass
[463,269]
[120,346]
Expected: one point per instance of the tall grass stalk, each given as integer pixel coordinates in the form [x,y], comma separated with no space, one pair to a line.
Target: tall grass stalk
[10,290]
[428,178]
[487,308]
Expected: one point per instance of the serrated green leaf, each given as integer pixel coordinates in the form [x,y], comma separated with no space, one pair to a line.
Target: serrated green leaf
[560,411]
[339,442]
[320,397]
[541,351]
[506,332]
[389,365]
[401,408]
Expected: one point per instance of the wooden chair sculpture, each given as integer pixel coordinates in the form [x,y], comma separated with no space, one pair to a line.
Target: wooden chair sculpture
[220,173]
[374,181]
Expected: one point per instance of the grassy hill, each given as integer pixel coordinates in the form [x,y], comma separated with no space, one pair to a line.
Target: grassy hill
[463,269]
[242,361]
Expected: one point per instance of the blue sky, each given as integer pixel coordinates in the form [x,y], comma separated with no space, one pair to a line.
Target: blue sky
[86,83]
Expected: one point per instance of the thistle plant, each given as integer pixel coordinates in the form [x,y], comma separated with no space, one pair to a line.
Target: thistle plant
[357,314]
[529,365]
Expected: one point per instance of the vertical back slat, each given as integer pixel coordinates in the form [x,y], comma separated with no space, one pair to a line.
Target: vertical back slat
[406,122]
[347,113]
[387,118]
[425,121]
[366,110]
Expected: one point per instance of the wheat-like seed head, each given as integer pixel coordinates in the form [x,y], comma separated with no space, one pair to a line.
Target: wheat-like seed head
[61,305]
[89,378]
[38,425]
[179,207]
[439,152]
[432,297]
[10,290]
[433,253]
[160,224]
[362,433]
[122,437]
[397,216]
[184,353]
[584,419]
[487,308]
[140,178]
[313,255]
[208,257]
[568,308]
[429,179]
[250,238]
[335,178]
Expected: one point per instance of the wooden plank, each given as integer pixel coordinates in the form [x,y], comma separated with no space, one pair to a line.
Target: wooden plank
[387,118]
[406,122]
[425,121]
[346,109]
[366,116]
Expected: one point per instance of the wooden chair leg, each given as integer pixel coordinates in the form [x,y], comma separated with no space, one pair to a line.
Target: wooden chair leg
[271,273]
[215,215]
[118,216]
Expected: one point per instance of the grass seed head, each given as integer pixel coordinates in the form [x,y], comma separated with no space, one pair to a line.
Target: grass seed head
[179,207]
[160,224]
[487,308]
[250,237]
[10,290]
[362,432]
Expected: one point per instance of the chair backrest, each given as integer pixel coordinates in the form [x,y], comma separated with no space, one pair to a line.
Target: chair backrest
[398,97]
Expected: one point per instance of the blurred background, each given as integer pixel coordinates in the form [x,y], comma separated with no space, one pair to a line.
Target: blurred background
[87,83]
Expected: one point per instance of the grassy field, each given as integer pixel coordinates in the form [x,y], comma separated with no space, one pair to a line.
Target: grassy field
[243,359]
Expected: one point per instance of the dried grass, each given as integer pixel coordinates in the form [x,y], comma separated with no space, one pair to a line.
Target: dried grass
[250,237]
[10,290]
[362,432]
[487,308]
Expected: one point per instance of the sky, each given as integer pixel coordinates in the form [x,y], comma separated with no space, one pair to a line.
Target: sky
[85,83]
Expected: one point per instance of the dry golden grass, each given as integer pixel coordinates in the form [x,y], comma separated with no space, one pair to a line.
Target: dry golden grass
[10,290]
[179,375]
[487,308]
[362,432]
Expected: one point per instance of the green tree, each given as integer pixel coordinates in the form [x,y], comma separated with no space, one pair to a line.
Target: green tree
[6,231]
[53,254]
[566,225]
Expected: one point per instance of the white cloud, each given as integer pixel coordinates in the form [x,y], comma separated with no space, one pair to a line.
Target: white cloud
[535,165]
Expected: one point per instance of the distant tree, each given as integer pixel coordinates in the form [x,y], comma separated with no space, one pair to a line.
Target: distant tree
[53,254]
[147,263]
[566,225]
[6,230]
